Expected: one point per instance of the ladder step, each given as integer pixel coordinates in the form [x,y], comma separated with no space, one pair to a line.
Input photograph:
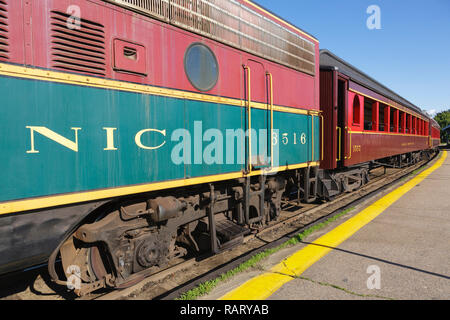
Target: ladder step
[228,230]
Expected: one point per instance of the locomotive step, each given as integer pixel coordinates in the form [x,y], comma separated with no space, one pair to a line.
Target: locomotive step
[228,230]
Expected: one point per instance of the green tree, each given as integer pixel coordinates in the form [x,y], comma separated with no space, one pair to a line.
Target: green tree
[443,118]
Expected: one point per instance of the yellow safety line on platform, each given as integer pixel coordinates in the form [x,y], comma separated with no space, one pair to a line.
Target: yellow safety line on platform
[263,286]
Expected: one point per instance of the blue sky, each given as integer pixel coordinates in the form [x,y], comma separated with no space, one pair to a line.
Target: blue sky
[410,54]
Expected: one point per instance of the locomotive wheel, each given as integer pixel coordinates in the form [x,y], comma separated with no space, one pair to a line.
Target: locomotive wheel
[95,263]
[85,261]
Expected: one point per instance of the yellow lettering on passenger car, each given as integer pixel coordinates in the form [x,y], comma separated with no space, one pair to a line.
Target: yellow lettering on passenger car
[357,148]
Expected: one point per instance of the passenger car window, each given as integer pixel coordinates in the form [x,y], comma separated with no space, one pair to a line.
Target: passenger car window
[356,111]
[368,114]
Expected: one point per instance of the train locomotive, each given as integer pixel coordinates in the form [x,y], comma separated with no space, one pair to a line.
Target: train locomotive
[136,132]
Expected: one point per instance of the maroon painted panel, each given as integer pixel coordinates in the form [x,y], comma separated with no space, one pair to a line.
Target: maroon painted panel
[11,29]
[367,147]
[356,119]
[327,103]
[364,90]
[51,46]
[436,142]
[258,90]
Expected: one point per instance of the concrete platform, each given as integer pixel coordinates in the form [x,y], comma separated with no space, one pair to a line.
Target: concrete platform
[403,253]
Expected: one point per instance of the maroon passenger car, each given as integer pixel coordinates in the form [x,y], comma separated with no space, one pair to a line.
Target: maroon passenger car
[365,125]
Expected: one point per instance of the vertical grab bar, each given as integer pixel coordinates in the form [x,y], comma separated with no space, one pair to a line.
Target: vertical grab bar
[312,135]
[249,109]
[350,145]
[340,141]
[271,118]
[321,124]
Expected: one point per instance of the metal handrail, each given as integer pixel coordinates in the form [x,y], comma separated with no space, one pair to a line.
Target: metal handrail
[249,110]
[312,133]
[271,117]
[349,131]
[321,151]
[340,142]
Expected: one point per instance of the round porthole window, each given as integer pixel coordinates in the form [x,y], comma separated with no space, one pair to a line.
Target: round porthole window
[201,67]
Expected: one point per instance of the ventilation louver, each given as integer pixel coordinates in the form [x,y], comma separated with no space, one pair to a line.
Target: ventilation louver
[77,44]
[4,36]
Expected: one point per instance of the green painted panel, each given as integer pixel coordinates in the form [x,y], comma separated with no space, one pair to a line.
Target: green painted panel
[151,138]
[293,139]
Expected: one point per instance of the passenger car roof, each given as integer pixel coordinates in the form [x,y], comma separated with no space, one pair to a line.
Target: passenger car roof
[330,60]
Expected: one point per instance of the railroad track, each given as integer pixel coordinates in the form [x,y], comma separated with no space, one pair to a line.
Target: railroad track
[291,224]
[182,275]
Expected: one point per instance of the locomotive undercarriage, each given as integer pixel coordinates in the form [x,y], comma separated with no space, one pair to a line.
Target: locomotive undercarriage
[139,236]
